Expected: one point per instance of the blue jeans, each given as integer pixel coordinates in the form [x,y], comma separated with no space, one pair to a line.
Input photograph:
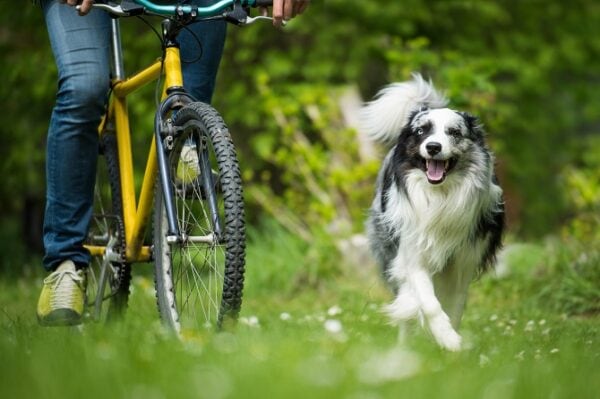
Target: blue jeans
[81,47]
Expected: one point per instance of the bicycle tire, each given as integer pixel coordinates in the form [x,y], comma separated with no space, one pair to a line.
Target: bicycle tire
[107,223]
[200,285]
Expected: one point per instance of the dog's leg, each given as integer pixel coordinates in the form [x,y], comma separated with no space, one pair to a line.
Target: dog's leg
[451,287]
[402,333]
[405,305]
[404,308]
[437,320]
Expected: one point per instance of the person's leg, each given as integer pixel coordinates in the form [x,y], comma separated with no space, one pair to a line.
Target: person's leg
[200,62]
[81,50]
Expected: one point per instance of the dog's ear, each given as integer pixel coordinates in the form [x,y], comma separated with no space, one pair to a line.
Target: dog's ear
[473,125]
[470,120]
[413,114]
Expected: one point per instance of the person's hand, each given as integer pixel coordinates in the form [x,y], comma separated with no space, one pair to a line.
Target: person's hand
[284,10]
[86,5]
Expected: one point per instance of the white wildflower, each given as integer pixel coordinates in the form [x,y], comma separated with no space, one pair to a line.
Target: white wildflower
[334,310]
[530,326]
[251,321]
[483,360]
[285,316]
[333,326]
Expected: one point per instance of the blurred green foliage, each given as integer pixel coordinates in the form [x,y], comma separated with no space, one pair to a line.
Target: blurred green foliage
[582,188]
[528,69]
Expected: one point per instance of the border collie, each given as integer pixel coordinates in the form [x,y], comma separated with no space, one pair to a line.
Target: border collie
[438,214]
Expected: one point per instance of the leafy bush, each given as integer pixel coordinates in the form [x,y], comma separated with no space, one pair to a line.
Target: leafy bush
[315,179]
[529,72]
[582,189]
[559,275]
[280,261]
[572,279]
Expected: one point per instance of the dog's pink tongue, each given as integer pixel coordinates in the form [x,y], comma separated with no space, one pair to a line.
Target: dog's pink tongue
[435,170]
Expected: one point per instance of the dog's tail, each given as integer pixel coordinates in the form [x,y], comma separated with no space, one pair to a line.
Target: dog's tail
[384,118]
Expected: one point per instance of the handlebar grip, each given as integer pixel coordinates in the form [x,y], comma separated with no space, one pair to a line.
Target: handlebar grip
[263,3]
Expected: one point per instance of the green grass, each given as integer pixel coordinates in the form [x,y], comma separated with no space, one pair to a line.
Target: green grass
[289,343]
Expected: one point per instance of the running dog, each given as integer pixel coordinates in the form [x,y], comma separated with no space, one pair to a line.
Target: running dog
[438,214]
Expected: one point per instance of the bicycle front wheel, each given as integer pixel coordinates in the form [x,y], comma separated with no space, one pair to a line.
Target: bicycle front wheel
[200,278]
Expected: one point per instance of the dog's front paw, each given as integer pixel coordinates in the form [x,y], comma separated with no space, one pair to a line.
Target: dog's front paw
[444,334]
[450,340]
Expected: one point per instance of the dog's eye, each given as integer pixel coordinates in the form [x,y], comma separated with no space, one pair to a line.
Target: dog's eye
[454,132]
[420,131]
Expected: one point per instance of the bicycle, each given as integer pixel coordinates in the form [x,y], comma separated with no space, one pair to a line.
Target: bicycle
[192,171]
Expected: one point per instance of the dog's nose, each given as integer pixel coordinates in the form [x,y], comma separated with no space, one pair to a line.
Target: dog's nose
[433,148]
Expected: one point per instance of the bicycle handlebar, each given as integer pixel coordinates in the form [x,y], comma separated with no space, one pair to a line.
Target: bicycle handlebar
[136,7]
[188,9]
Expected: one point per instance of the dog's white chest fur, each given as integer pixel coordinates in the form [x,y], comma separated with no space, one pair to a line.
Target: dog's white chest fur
[436,222]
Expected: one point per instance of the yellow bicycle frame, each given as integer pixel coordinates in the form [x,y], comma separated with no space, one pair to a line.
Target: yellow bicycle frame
[136,213]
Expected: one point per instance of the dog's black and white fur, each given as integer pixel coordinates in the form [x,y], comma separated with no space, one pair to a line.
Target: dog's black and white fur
[438,213]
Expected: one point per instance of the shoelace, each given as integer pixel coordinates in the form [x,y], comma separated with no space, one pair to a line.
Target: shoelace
[63,298]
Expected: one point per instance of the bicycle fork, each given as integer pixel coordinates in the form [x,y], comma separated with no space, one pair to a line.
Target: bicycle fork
[176,97]
[165,134]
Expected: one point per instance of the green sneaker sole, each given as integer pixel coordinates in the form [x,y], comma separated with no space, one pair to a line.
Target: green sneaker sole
[60,317]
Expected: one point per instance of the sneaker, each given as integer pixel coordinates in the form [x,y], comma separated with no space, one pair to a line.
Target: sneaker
[188,168]
[188,173]
[63,297]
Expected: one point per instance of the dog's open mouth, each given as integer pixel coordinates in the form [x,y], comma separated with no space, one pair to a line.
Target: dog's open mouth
[437,169]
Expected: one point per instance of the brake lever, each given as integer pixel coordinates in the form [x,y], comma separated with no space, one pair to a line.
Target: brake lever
[127,8]
[112,9]
[250,20]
